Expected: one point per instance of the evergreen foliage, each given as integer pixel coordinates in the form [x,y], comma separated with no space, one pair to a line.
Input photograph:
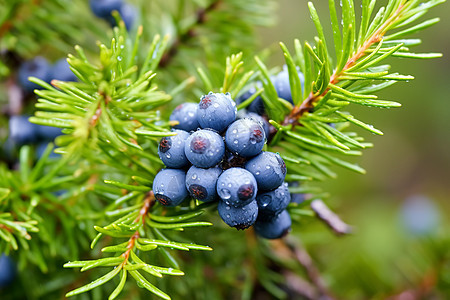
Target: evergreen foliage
[92,207]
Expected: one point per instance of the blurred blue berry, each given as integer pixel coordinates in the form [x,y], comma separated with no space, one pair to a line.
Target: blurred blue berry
[239,217]
[274,228]
[269,170]
[61,71]
[296,197]
[171,150]
[216,111]
[201,183]
[274,202]
[48,133]
[204,148]
[7,271]
[38,67]
[237,187]
[186,115]
[419,215]
[129,14]
[245,137]
[104,8]
[22,131]
[169,187]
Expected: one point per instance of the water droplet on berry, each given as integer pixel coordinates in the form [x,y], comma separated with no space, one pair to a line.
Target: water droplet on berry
[229,185]
[253,141]
[227,207]
[168,155]
[228,216]
[234,131]
[265,200]
[225,194]
[194,176]
[268,167]
[216,105]
[257,173]
[235,142]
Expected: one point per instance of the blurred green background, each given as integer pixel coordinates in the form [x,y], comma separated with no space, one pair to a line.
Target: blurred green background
[410,164]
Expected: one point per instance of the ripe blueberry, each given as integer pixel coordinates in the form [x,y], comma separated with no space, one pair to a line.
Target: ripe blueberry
[169,187]
[201,183]
[239,217]
[237,187]
[269,170]
[7,271]
[21,131]
[245,137]
[274,228]
[186,115]
[129,14]
[61,71]
[274,202]
[48,133]
[171,150]
[263,122]
[296,197]
[282,84]
[204,148]
[216,111]
[257,105]
[37,67]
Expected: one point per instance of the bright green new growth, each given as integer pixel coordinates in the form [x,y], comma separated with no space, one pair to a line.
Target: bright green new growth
[112,118]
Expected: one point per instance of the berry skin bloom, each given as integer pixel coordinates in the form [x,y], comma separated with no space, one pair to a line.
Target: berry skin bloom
[169,187]
[245,137]
[238,217]
[171,150]
[274,228]
[216,111]
[204,148]
[237,187]
[274,202]
[186,115]
[269,170]
[201,183]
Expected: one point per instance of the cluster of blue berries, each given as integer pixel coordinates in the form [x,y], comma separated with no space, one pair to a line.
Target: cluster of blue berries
[104,8]
[39,67]
[216,157]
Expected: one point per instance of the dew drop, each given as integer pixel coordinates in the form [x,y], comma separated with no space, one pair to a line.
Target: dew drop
[227,207]
[194,176]
[268,167]
[216,105]
[257,173]
[228,216]
[225,194]
[265,200]
[168,155]
[235,142]
[234,131]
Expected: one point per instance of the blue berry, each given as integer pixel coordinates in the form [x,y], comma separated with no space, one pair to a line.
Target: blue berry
[201,183]
[171,150]
[7,271]
[37,67]
[232,160]
[274,228]
[216,111]
[237,187]
[186,115]
[245,137]
[282,84]
[420,215]
[61,71]
[129,14]
[296,197]
[169,187]
[40,150]
[104,8]
[48,133]
[274,202]
[204,148]
[239,217]
[21,131]
[269,170]
[258,118]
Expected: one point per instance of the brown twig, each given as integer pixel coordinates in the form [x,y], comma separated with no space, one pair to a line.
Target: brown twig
[308,104]
[330,218]
[189,33]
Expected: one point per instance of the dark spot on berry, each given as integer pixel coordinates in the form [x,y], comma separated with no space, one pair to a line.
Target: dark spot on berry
[242,226]
[205,102]
[232,161]
[198,192]
[164,200]
[282,164]
[165,144]
[257,134]
[246,191]
[199,144]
